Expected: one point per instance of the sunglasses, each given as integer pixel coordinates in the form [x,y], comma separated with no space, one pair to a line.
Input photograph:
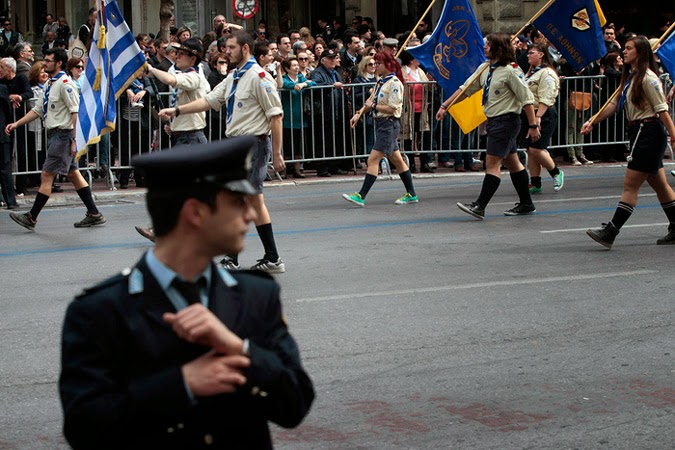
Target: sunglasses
[221,62]
[372,64]
[79,67]
[303,59]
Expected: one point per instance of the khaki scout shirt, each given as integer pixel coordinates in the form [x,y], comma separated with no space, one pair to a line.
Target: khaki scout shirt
[191,86]
[508,91]
[63,101]
[656,100]
[391,95]
[256,101]
[544,85]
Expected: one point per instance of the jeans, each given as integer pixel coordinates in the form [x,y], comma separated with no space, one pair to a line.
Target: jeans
[6,181]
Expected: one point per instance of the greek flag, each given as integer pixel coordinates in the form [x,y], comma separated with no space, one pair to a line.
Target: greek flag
[115,60]
[452,53]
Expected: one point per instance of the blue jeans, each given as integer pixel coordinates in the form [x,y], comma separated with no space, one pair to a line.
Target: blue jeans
[6,182]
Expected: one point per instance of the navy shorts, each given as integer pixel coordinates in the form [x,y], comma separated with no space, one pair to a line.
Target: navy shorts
[386,135]
[649,148]
[261,157]
[548,123]
[58,159]
[502,132]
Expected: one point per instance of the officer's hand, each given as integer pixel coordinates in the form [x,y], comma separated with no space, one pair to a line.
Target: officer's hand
[213,374]
[440,114]
[198,325]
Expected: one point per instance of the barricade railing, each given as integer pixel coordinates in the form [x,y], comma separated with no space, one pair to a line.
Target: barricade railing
[316,127]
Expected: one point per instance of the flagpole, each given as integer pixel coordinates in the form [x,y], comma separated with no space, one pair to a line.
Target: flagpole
[592,120]
[359,113]
[476,75]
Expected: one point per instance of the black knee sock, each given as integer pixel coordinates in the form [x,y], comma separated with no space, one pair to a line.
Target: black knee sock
[553,172]
[669,209]
[267,238]
[406,177]
[367,184]
[622,214]
[490,186]
[87,199]
[519,180]
[40,202]
[535,181]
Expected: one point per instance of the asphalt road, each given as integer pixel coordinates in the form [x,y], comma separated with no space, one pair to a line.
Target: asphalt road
[420,326]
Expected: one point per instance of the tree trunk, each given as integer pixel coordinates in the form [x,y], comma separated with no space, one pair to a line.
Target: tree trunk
[165,15]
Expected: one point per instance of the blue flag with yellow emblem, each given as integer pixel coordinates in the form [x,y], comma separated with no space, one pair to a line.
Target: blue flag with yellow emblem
[573,28]
[453,52]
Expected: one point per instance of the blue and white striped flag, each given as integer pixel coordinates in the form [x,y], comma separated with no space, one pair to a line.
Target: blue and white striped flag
[115,60]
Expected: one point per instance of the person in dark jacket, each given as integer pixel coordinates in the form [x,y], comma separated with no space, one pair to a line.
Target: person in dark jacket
[177,352]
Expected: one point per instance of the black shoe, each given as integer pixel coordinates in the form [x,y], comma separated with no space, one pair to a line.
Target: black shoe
[604,235]
[25,220]
[57,188]
[428,169]
[668,239]
[148,233]
[12,206]
[520,210]
[324,174]
[473,209]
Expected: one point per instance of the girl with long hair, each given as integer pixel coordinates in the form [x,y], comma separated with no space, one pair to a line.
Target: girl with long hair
[387,105]
[643,98]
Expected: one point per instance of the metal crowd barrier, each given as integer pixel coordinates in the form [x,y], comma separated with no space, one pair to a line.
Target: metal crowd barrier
[317,128]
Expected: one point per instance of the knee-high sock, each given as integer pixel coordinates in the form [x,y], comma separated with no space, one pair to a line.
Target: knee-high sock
[406,177]
[669,209]
[40,202]
[490,186]
[519,180]
[367,184]
[622,214]
[87,199]
[267,238]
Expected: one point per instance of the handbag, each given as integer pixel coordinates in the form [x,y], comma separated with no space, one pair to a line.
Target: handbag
[581,101]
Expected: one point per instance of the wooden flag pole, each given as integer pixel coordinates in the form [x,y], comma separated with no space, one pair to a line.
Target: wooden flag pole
[359,113]
[592,120]
[476,75]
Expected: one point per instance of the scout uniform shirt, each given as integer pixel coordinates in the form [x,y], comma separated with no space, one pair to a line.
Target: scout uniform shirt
[256,101]
[508,91]
[656,100]
[391,94]
[190,86]
[544,85]
[63,102]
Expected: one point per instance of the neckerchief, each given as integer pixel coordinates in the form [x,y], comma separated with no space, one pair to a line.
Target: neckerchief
[535,70]
[45,99]
[236,76]
[174,96]
[486,88]
[624,92]
[379,87]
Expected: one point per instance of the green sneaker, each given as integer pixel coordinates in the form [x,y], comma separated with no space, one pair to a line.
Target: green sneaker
[558,181]
[535,189]
[406,199]
[355,198]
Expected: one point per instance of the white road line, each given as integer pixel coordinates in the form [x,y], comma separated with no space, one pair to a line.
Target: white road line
[575,230]
[455,287]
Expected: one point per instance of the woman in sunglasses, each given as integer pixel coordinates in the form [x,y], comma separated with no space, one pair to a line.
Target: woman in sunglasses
[75,68]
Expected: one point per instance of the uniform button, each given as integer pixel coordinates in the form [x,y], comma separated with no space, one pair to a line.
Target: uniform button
[169,430]
[263,393]
[126,271]
[180,426]
[255,390]
[208,439]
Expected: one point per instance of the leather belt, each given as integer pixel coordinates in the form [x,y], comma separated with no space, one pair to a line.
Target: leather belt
[633,123]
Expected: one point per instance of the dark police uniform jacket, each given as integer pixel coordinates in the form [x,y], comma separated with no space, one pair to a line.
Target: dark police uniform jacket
[121,384]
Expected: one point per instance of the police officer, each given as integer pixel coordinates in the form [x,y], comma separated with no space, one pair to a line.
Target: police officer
[176,352]
[505,95]
[57,105]
[253,108]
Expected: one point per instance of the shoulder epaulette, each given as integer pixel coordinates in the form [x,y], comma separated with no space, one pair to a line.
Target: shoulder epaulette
[119,278]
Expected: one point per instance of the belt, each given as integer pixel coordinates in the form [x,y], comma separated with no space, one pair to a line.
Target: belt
[52,131]
[386,118]
[184,133]
[633,123]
